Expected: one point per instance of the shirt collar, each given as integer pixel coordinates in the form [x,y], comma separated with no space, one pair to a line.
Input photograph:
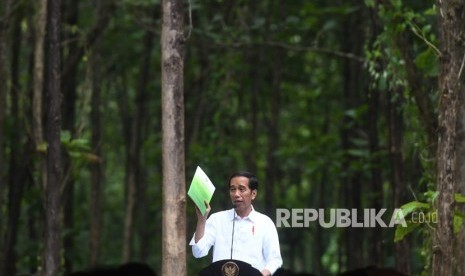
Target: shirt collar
[252,215]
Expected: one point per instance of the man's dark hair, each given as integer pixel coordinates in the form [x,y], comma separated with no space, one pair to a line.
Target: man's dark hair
[253,180]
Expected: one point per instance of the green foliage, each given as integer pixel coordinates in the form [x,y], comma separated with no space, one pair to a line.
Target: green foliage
[426,214]
[78,148]
[407,209]
[250,65]
[398,18]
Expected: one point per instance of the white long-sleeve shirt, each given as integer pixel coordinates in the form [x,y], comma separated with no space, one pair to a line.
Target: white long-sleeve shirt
[255,240]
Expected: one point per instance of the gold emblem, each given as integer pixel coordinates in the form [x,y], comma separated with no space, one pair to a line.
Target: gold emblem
[230,269]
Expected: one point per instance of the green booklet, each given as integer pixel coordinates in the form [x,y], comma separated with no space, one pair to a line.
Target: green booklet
[201,189]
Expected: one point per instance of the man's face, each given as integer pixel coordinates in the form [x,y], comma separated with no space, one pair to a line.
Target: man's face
[241,194]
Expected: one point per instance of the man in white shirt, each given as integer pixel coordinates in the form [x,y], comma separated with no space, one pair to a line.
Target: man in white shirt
[240,233]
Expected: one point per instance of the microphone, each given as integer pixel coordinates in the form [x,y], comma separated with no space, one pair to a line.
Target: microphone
[232,235]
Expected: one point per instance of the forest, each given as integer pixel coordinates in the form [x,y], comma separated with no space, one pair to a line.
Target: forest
[107,107]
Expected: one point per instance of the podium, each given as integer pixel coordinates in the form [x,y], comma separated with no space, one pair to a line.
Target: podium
[229,268]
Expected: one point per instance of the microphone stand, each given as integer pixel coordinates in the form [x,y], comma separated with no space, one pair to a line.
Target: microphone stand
[232,235]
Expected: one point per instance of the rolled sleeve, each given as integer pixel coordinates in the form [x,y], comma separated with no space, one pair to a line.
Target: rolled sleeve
[255,241]
[201,248]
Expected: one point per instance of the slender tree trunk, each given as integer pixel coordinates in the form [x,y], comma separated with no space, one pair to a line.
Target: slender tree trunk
[134,180]
[376,255]
[40,22]
[131,195]
[319,247]
[459,241]
[142,114]
[451,89]
[4,31]
[69,88]
[53,214]
[396,132]
[251,153]
[19,178]
[174,190]
[376,234]
[135,150]
[460,237]
[321,202]
[127,121]
[256,75]
[38,90]
[272,169]
[32,214]
[17,171]
[129,192]
[32,228]
[96,169]
[144,231]
[353,85]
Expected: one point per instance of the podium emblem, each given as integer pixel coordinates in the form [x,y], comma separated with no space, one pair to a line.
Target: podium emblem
[230,269]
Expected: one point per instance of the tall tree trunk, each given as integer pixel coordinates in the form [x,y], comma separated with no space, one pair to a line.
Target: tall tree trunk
[38,89]
[459,241]
[451,89]
[135,148]
[251,153]
[127,121]
[319,248]
[131,197]
[142,115]
[396,132]
[69,88]
[17,171]
[19,177]
[33,219]
[459,250]
[96,169]
[134,137]
[376,255]
[4,31]
[376,189]
[53,214]
[126,118]
[39,25]
[272,173]
[174,190]
[32,214]
[255,56]
[353,85]
[321,202]
[272,168]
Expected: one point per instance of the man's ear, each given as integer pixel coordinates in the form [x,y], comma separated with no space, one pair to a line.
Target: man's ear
[254,194]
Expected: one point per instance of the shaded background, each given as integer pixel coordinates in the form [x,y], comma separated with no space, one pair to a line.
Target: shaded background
[331,103]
